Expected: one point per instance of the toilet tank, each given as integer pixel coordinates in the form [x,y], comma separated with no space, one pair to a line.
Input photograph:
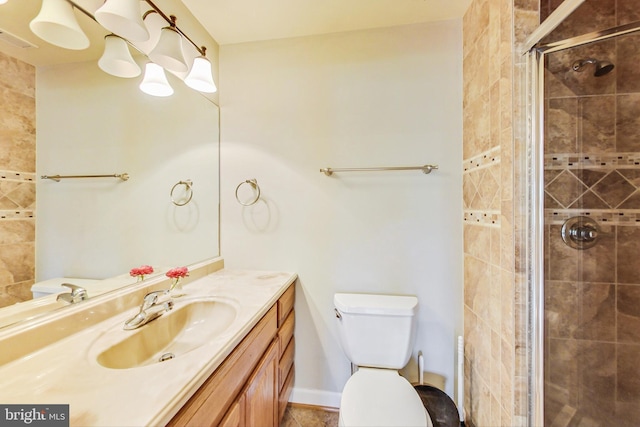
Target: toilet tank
[377,331]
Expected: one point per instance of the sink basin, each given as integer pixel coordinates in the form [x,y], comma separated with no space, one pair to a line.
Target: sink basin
[188,326]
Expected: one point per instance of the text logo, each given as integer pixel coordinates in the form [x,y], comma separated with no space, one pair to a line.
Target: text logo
[34,415]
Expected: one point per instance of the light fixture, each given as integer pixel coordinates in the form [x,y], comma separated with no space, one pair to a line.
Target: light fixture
[139,23]
[56,24]
[200,77]
[154,23]
[116,59]
[3,1]
[123,18]
[168,52]
[155,81]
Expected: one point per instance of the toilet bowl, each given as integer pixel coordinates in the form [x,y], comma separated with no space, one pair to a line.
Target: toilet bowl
[377,333]
[381,397]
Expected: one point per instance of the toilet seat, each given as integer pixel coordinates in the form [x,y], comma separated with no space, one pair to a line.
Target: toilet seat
[381,397]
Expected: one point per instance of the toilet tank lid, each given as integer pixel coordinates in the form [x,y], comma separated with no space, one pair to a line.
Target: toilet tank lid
[392,305]
[55,285]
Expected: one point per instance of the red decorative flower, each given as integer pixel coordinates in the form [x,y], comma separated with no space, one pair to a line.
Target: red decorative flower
[178,272]
[141,271]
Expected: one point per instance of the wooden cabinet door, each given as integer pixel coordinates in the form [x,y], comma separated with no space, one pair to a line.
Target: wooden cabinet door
[261,396]
[235,416]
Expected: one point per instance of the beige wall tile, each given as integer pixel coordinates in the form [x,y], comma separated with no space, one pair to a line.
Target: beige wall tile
[628,312]
[17,154]
[627,11]
[628,386]
[17,76]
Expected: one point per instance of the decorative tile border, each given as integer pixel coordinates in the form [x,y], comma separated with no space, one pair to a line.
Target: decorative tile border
[483,160]
[592,161]
[489,218]
[17,176]
[607,216]
[16,214]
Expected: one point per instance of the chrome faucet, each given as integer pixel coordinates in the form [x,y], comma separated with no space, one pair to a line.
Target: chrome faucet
[150,309]
[77,294]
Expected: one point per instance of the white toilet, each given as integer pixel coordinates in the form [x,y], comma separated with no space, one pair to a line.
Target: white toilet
[54,286]
[377,333]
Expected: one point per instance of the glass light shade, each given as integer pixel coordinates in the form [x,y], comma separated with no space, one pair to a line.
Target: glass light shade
[155,81]
[200,77]
[3,1]
[56,24]
[116,59]
[123,18]
[190,54]
[168,52]
[154,24]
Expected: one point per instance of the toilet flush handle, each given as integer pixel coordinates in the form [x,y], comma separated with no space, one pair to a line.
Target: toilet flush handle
[337,313]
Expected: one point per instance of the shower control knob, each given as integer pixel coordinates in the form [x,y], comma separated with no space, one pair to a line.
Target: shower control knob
[583,234]
[580,232]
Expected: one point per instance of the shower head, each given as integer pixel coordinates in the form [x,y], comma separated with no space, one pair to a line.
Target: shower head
[602,67]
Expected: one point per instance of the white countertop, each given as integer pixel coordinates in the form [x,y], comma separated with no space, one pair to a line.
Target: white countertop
[66,371]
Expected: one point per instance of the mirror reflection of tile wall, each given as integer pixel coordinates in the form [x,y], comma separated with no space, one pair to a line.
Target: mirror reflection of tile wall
[17,179]
[592,168]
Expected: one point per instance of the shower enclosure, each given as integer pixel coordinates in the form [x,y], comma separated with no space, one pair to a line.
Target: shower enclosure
[585,218]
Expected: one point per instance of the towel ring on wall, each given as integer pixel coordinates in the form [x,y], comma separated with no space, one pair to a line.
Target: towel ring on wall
[253,183]
[188,189]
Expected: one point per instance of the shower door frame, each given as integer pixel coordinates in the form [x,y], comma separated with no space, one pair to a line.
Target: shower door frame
[534,167]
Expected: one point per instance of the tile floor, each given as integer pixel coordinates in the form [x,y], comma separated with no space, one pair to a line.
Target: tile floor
[306,416]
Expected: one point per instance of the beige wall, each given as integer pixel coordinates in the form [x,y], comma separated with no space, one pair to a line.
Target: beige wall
[494,289]
[17,179]
[383,97]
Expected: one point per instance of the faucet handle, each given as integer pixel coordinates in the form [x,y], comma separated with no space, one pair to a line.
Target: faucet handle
[152,297]
[77,292]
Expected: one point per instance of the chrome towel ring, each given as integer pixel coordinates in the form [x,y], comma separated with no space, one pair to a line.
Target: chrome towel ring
[188,189]
[254,184]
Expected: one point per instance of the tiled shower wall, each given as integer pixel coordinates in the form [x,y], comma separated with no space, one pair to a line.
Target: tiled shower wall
[592,168]
[17,179]
[494,306]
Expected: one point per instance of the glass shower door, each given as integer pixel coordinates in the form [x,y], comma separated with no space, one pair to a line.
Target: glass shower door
[592,234]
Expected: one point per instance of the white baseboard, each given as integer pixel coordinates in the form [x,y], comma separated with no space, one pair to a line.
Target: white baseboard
[306,396]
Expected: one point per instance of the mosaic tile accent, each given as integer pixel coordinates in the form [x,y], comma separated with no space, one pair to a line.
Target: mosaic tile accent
[17,176]
[629,217]
[491,218]
[486,159]
[591,161]
[26,214]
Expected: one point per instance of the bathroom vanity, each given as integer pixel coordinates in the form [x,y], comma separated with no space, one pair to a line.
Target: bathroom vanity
[253,384]
[230,339]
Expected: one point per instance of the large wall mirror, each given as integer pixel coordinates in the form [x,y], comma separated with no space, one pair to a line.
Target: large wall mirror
[61,115]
